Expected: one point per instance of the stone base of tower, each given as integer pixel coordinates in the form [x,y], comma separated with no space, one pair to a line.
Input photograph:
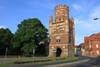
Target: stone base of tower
[65,51]
[71,50]
[63,54]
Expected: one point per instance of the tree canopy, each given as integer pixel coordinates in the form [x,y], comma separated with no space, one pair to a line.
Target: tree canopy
[29,35]
[5,39]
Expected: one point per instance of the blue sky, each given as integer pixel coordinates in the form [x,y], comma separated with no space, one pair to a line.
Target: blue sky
[12,12]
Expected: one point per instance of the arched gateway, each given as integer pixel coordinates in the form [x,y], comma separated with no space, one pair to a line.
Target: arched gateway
[58,52]
[61,32]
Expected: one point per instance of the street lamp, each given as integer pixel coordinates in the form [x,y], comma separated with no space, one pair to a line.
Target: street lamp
[33,52]
[6,51]
[96,18]
[36,35]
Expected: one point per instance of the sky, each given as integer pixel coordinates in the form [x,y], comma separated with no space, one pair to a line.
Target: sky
[12,12]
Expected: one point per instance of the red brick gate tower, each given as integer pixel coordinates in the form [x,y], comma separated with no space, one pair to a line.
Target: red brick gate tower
[61,31]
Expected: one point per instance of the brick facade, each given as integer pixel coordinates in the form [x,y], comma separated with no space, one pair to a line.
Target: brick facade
[92,45]
[61,32]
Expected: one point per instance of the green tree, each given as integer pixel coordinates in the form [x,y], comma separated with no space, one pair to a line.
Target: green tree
[5,39]
[28,36]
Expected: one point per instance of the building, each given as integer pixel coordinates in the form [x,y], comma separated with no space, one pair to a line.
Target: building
[92,45]
[82,49]
[61,32]
[77,50]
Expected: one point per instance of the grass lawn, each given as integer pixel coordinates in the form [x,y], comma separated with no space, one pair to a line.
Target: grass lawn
[55,60]
[8,62]
[5,65]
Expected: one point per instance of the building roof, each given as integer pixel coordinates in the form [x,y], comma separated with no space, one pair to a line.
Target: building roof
[95,34]
[93,37]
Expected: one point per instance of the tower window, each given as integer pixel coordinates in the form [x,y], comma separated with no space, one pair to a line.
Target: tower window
[58,40]
[60,29]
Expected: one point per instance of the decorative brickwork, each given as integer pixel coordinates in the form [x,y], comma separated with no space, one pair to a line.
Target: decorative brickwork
[61,32]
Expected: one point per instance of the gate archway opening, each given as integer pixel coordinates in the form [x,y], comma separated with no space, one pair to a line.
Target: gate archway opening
[58,52]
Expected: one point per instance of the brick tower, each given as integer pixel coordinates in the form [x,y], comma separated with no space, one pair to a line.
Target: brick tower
[61,32]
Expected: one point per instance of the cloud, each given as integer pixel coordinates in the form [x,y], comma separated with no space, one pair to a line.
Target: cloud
[85,28]
[88,26]
[77,7]
[95,13]
[3,27]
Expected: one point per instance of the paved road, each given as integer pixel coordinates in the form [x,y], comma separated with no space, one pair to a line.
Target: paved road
[68,64]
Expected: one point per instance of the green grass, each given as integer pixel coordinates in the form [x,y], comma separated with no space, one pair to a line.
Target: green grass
[63,58]
[56,59]
[36,60]
[5,65]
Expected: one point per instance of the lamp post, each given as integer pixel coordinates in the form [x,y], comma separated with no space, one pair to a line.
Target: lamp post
[33,52]
[36,35]
[6,51]
[96,18]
